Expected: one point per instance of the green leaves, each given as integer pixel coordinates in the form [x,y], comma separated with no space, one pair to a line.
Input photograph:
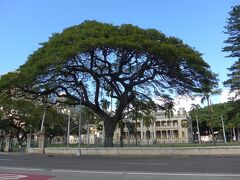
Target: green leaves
[234,78]
[233,30]
[85,60]
[233,47]
[230,111]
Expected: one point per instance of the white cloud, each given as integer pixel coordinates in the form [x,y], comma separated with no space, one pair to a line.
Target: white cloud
[182,102]
[226,95]
[186,102]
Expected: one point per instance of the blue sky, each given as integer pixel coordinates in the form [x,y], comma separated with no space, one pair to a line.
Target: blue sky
[26,23]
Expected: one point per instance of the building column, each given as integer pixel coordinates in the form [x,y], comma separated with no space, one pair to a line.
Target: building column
[7,140]
[128,136]
[171,135]
[103,134]
[161,139]
[41,142]
[28,142]
[154,132]
[167,135]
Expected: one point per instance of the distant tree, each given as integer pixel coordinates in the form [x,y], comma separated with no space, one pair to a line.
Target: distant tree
[105,104]
[233,47]
[17,117]
[140,110]
[224,117]
[20,117]
[195,108]
[222,108]
[85,60]
[234,78]
[148,119]
[233,118]
[169,108]
[206,96]
[89,119]
[136,114]
[233,32]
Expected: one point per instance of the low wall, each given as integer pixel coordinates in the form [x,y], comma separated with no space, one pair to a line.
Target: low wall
[150,151]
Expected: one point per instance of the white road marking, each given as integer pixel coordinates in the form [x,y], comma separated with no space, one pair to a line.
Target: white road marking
[147,173]
[145,163]
[126,172]
[186,174]
[23,169]
[6,159]
[88,172]
[11,176]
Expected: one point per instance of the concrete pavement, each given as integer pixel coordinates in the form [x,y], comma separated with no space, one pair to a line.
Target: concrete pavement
[126,167]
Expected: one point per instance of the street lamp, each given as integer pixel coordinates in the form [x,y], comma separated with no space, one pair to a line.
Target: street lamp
[44,113]
[43,119]
[68,127]
[79,128]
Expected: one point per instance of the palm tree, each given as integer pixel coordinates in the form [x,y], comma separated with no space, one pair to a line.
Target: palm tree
[136,114]
[168,108]
[90,119]
[148,118]
[105,104]
[195,109]
[222,108]
[206,97]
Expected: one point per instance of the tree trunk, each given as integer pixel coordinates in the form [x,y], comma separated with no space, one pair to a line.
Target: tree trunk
[199,136]
[231,134]
[109,131]
[234,134]
[237,134]
[65,136]
[148,134]
[223,127]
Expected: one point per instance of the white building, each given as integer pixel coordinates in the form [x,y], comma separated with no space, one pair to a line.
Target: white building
[177,129]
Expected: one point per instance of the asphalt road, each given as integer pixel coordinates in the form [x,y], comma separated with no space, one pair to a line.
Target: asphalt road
[126,167]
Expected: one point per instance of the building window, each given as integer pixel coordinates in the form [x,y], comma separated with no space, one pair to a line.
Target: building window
[164,124]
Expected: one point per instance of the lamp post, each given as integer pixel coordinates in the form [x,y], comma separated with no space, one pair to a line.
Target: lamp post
[79,128]
[44,112]
[68,127]
[43,119]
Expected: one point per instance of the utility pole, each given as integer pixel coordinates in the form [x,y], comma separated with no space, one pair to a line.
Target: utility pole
[79,128]
[68,127]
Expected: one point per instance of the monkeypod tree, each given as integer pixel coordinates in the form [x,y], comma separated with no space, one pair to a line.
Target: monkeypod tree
[93,61]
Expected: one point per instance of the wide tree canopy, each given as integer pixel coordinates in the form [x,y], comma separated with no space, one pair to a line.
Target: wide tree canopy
[94,61]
